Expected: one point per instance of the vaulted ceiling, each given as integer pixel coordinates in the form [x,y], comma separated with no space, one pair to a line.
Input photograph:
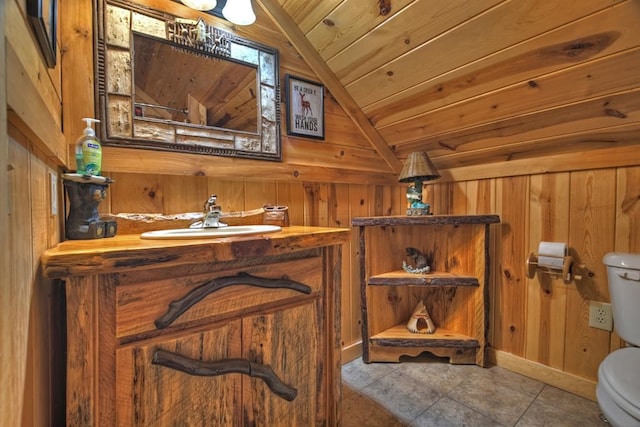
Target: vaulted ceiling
[475,81]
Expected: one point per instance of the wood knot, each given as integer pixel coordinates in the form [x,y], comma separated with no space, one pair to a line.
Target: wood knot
[389,73]
[328,22]
[615,113]
[385,7]
[447,146]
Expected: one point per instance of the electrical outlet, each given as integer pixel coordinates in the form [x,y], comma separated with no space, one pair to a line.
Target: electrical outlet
[600,315]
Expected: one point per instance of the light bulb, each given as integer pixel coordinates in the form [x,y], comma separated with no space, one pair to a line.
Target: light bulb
[239,12]
[200,4]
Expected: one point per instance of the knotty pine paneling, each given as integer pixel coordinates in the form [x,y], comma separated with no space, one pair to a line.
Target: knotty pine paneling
[592,216]
[547,298]
[344,155]
[31,347]
[608,31]
[540,319]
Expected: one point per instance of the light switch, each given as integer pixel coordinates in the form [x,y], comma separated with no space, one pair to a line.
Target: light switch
[54,193]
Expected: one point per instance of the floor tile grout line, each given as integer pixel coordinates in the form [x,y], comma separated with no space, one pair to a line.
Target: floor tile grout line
[530,405]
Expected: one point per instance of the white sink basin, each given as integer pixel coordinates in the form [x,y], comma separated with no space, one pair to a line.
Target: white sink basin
[209,233]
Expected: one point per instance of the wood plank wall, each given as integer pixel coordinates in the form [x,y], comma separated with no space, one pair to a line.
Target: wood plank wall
[538,321]
[32,230]
[541,320]
[30,97]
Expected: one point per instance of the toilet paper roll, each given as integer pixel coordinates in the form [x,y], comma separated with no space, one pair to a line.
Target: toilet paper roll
[551,254]
[553,249]
[551,262]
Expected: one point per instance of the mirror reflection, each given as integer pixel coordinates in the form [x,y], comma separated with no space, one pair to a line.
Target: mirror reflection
[174,83]
[195,89]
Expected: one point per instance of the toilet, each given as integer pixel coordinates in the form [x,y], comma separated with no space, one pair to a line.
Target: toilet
[618,389]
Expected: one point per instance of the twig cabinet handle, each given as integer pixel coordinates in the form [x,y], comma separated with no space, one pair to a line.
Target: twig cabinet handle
[227,366]
[179,306]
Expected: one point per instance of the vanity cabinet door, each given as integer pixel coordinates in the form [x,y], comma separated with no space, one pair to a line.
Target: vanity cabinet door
[285,344]
[290,342]
[149,394]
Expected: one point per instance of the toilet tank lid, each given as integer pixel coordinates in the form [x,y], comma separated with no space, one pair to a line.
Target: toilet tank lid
[622,259]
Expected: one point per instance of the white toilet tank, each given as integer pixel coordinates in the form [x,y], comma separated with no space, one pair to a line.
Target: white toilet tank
[623,271]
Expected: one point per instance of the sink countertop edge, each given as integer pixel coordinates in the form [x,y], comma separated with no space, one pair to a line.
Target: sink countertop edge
[130,252]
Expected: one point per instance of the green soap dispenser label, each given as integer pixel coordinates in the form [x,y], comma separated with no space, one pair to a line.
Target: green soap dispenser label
[89,150]
[92,158]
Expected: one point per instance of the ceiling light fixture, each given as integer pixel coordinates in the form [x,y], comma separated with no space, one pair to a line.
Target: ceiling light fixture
[239,12]
[200,4]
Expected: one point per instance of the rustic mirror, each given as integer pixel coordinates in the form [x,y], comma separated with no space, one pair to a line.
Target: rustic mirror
[175,83]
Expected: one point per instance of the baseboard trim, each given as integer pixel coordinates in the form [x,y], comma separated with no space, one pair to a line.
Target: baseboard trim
[351,352]
[546,374]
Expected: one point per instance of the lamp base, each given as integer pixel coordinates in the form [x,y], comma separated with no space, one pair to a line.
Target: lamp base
[418,211]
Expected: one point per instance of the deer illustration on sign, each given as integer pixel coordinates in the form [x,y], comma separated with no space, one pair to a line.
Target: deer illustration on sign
[305,105]
[305,112]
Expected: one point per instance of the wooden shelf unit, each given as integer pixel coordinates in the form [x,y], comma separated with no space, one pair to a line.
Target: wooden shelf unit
[455,291]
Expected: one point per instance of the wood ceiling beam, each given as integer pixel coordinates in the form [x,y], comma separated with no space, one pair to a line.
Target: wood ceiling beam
[304,47]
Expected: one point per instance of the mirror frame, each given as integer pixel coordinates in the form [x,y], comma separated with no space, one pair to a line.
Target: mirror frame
[118,20]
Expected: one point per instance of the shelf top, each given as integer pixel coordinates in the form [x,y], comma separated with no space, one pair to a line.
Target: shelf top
[402,278]
[425,220]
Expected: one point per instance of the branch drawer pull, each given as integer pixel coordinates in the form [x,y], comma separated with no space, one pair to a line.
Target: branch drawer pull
[227,366]
[179,306]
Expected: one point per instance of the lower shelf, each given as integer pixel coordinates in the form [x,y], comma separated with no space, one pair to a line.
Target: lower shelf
[400,336]
[395,342]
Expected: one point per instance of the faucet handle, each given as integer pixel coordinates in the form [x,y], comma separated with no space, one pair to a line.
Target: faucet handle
[210,204]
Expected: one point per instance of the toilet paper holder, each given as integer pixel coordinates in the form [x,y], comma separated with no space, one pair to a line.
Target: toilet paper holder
[558,265]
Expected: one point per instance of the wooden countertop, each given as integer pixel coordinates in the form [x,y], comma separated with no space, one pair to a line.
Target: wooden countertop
[130,252]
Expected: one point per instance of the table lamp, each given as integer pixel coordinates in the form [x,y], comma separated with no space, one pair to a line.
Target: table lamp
[417,169]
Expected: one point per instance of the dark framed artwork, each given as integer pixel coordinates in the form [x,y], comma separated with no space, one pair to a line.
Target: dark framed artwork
[305,107]
[43,17]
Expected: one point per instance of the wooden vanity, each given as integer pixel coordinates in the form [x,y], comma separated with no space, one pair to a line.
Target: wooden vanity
[229,331]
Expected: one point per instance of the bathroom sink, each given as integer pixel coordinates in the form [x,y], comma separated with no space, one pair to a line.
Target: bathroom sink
[209,233]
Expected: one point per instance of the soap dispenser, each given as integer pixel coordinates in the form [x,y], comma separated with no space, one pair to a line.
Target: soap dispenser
[89,150]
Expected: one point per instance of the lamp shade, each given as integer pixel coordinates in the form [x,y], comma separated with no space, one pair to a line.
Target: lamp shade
[418,167]
[239,12]
[200,4]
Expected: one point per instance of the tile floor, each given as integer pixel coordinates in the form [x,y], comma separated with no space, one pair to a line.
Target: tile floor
[426,391]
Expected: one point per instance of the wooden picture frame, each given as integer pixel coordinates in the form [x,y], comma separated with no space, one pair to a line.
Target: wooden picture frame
[43,15]
[305,107]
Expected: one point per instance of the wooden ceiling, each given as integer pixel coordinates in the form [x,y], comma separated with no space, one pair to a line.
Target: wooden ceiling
[475,81]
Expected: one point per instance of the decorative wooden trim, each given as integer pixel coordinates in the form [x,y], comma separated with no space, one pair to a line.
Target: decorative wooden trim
[179,306]
[227,366]
[425,220]
[587,160]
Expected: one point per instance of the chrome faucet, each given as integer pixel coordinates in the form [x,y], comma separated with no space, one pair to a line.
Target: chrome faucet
[211,215]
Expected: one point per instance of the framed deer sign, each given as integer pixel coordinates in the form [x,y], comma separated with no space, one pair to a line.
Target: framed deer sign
[305,107]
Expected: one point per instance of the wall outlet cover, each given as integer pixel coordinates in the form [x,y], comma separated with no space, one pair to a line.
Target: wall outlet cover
[600,315]
[54,193]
